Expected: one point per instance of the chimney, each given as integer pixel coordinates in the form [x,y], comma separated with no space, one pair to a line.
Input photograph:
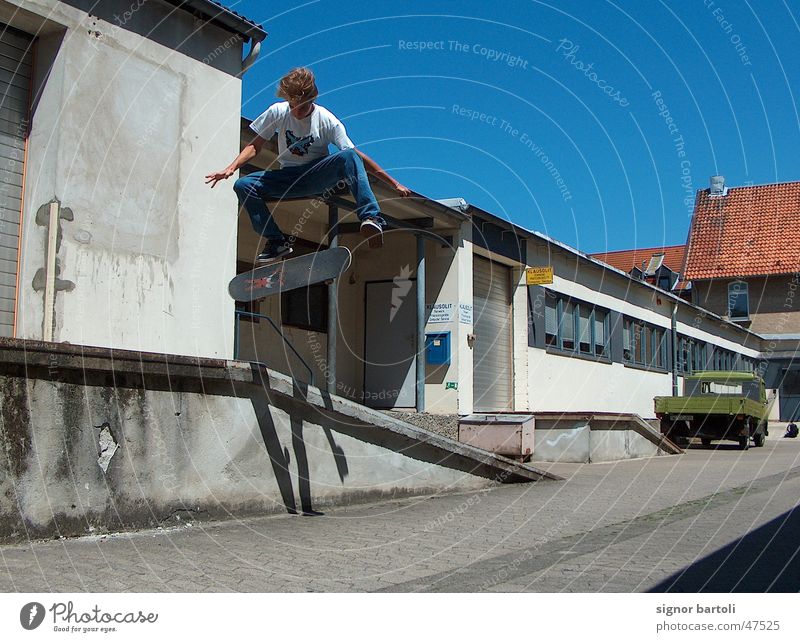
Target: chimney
[718,186]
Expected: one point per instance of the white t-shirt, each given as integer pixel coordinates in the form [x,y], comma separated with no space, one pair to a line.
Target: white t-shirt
[301,141]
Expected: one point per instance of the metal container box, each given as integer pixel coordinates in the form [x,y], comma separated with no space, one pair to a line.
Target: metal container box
[504,434]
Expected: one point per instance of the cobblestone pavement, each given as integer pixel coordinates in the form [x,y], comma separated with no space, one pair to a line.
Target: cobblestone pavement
[626,526]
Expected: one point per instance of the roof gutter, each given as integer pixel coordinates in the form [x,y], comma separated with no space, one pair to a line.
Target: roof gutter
[524,233]
[255,50]
[221,16]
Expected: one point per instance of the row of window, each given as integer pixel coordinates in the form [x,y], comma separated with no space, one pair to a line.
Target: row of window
[692,355]
[578,327]
[644,344]
[728,360]
[575,326]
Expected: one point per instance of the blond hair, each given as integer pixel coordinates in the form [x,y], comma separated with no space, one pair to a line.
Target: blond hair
[298,86]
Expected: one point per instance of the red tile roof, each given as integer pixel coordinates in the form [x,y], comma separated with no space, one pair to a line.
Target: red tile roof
[751,231]
[626,260]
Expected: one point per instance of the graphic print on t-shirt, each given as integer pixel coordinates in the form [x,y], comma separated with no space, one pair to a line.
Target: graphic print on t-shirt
[298,146]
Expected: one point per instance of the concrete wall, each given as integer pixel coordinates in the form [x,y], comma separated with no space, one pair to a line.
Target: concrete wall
[122,133]
[111,458]
[593,440]
[774,302]
[92,440]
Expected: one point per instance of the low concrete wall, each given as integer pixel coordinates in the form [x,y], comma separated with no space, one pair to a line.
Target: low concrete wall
[585,438]
[95,440]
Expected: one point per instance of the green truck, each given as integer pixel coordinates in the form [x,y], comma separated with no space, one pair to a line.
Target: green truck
[716,405]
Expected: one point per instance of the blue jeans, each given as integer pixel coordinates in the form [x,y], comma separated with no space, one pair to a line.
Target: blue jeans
[344,168]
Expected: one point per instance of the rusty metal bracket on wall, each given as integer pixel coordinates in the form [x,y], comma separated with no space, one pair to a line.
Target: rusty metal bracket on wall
[46,278]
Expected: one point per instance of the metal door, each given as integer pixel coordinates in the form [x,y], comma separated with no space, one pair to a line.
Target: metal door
[15,78]
[492,358]
[390,358]
[790,395]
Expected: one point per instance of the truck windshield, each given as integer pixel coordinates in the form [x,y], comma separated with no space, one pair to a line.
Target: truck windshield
[717,388]
[749,389]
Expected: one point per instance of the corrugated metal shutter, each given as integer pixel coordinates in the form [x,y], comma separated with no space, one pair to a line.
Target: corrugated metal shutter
[492,355]
[15,79]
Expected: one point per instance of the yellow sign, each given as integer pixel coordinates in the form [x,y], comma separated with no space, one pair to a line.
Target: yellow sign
[539,275]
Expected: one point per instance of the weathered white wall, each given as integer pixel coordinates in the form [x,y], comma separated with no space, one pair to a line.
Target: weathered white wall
[568,384]
[123,132]
[75,457]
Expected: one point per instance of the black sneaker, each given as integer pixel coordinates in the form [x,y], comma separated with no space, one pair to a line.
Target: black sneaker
[372,230]
[274,250]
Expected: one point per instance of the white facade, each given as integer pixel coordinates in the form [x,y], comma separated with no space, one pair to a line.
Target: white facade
[563,382]
[123,130]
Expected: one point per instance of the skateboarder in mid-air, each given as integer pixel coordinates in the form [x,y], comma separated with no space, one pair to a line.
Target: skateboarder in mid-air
[304,131]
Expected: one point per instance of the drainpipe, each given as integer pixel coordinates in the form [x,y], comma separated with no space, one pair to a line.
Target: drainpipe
[675,349]
[50,271]
[255,50]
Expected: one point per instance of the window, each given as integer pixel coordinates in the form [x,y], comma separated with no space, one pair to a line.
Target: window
[728,360]
[575,326]
[567,326]
[585,329]
[699,351]
[738,300]
[551,319]
[692,355]
[306,308]
[599,332]
[644,344]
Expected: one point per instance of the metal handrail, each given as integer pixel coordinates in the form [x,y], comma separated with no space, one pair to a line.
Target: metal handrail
[253,315]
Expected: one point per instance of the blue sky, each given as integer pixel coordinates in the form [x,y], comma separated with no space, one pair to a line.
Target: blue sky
[553,114]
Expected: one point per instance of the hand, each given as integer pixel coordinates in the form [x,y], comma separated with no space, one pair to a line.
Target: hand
[402,190]
[216,177]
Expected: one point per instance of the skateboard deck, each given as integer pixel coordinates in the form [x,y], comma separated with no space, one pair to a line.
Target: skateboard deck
[289,274]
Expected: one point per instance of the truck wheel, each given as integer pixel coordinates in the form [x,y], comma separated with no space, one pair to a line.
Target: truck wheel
[744,443]
[759,439]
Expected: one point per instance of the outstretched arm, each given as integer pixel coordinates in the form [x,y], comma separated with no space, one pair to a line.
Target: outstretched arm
[247,154]
[376,170]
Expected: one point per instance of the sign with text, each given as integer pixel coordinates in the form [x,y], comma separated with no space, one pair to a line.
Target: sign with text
[539,275]
[440,312]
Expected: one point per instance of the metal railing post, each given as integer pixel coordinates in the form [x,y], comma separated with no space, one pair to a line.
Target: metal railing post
[420,323]
[333,306]
[253,315]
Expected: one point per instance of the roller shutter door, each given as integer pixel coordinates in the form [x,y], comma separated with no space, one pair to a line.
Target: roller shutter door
[492,355]
[15,79]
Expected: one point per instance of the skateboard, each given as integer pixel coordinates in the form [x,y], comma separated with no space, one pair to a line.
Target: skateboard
[290,274]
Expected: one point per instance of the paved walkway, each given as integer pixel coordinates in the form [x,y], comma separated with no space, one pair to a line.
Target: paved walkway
[628,526]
